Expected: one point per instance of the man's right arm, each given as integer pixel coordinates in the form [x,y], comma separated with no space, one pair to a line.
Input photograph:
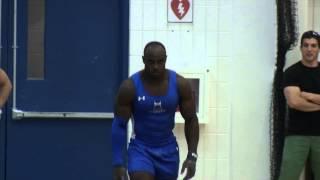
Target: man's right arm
[122,113]
[296,101]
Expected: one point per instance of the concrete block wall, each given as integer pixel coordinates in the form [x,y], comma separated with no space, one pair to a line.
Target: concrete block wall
[316,15]
[232,43]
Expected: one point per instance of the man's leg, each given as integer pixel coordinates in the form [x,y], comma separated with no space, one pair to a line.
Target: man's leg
[315,156]
[167,162]
[295,153]
[141,176]
[140,164]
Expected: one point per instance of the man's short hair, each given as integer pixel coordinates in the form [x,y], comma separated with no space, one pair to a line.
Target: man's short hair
[309,35]
[153,43]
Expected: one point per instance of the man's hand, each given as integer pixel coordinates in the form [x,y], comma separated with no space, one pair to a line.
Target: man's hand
[120,173]
[191,168]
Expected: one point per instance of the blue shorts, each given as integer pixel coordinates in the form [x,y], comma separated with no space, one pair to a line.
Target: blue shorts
[161,161]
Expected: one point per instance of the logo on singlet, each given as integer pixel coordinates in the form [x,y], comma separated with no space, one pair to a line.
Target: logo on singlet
[141,98]
[157,108]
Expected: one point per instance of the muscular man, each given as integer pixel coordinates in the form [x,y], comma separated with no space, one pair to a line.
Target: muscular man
[302,92]
[150,98]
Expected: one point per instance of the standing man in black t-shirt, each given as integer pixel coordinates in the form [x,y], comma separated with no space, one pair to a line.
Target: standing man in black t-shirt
[302,92]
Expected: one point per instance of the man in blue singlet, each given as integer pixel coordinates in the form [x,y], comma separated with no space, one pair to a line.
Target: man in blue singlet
[150,98]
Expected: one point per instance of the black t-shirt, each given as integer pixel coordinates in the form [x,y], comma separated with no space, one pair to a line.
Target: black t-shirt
[308,80]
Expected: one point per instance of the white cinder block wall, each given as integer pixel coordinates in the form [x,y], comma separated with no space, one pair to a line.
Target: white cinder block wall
[254,51]
[308,19]
[316,15]
[232,44]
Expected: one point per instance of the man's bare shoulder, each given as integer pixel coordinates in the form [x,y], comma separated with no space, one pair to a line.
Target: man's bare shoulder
[125,98]
[127,84]
[4,79]
[184,87]
[126,88]
[182,82]
[3,74]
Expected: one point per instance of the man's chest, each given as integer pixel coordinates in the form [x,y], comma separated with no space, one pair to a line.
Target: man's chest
[310,81]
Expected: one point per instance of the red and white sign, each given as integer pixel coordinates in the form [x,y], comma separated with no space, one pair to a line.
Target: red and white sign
[180,11]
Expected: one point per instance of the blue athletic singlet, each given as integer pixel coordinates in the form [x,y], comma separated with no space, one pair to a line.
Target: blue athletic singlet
[153,147]
[153,116]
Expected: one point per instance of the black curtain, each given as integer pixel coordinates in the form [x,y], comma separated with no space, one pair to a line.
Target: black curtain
[286,39]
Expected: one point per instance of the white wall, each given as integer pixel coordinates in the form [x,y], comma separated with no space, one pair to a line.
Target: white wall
[254,43]
[232,43]
[308,19]
[316,15]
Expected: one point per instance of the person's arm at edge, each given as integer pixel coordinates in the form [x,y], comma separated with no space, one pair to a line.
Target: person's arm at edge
[312,97]
[5,87]
[296,101]
[122,113]
[191,127]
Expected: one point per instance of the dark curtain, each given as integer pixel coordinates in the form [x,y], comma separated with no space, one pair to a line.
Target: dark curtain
[286,39]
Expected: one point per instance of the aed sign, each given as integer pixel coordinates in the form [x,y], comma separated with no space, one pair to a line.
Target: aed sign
[180,11]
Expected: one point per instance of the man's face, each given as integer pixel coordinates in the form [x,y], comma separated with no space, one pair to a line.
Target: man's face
[155,61]
[310,50]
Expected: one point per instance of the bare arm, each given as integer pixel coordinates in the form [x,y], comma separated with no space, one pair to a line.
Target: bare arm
[124,99]
[296,101]
[188,112]
[122,114]
[5,87]
[312,97]
[191,127]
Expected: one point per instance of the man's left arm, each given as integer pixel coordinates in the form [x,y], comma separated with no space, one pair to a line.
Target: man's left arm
[5,87]
[313,97]
[191,127]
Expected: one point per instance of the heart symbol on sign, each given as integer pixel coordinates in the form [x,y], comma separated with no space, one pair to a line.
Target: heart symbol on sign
[180,7]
